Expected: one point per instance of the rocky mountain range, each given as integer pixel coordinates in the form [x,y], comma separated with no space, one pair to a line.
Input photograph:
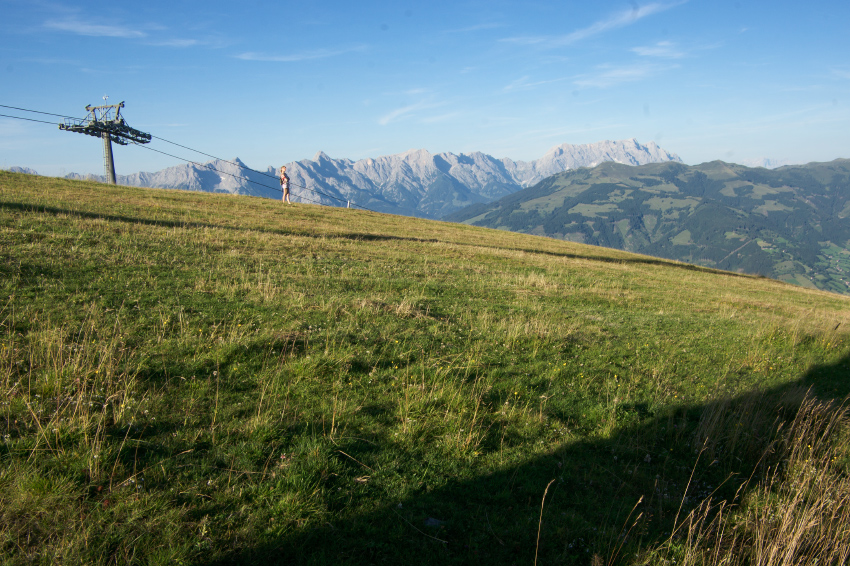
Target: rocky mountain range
[25,170]
[791,223]
[413,183]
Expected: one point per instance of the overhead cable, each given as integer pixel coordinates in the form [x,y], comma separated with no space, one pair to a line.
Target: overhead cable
[210,167]
[261,173]
[27,119]
[348,202]
[36,112]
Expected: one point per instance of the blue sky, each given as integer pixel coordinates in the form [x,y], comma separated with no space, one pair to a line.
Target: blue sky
[274,82]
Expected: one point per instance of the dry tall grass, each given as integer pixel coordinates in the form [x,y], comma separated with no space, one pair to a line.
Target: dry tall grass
[797,514]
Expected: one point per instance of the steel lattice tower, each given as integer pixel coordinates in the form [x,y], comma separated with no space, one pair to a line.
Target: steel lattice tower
[106,122]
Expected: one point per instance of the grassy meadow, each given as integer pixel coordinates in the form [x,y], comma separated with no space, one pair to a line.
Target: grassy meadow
[191,378]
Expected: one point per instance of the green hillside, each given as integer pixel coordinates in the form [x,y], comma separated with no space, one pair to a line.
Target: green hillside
[191,378]
[790,223]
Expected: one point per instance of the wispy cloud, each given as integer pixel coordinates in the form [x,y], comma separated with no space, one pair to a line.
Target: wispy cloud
[212,41]
[618,20]
[474,28]
[662,49]
[421,111]
[841,73]
[441,118]
[803,118]
[518,83]
[403,112]
[413,91]
[51,61]
[74,25]
[607,76]
[523,83]
[302,56]
[178,43]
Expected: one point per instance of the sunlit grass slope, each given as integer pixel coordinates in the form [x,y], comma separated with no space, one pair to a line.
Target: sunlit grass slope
[203,379]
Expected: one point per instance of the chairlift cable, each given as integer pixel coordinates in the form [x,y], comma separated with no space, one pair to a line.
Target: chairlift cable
[264,174]
[27,119]
[347,201]
[36,112]
[210,167]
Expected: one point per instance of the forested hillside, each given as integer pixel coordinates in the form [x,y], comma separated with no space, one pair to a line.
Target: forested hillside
[789,223]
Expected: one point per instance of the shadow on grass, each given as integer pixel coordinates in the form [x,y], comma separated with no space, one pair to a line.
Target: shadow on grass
[252,357]
[658,468]
[364,237]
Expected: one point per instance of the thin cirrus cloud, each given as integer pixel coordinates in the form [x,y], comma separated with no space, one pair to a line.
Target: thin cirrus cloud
[178,43]
[399,113]
[405,112]
[618,20]
[611,76]
[93,30]
[211,41]
[523,83]
[295,57]
[441,118]
[474,28]
[662,50]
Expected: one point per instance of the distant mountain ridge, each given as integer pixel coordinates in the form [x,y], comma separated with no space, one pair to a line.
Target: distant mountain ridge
[791,223]
[768,163]
[24,170]
[413,183]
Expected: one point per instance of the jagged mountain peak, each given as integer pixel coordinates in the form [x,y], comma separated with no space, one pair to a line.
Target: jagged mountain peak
[415,182]
[421,183]
[416,154]
[25,170]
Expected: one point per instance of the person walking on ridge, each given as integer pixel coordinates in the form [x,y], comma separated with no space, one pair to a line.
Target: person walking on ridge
[284,184]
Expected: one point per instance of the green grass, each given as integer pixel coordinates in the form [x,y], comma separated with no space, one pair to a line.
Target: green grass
[205,379]
[642,209]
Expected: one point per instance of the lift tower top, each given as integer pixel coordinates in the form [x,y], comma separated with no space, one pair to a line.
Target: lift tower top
[107,123]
